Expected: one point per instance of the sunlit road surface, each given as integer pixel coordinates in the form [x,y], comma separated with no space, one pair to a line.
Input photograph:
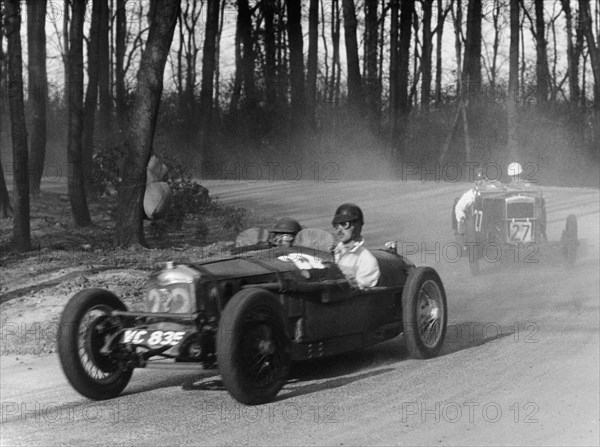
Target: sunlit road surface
[520,365]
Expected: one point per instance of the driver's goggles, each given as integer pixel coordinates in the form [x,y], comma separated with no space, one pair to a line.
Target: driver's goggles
[284,237]
[342,225]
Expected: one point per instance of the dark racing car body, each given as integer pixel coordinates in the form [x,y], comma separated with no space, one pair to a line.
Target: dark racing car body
[250,315]
[510,220]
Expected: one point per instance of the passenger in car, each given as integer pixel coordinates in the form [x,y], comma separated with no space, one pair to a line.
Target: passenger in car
[466,201]
[357,263]
[284,232]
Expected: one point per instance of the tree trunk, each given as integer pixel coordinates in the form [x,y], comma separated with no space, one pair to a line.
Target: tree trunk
[5,206]
[268,10]
[21,223]
[373,94]
[513,83]
[541,66]
[471,75]
[282,55]
[355,93]
[572,67]
[208,72]
[38,89]
[104,95]
[245,27]
[129,226]
[294,24]
[407,9]
[426,56]
[312,61]
[236,90]
[438,52]
[335,40]
[593,47]
[394,66]
[79,206]
[121,36]
[91,95]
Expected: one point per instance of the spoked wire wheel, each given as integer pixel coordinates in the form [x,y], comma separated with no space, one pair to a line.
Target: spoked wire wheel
[424,312]
[253,348]
[86,349]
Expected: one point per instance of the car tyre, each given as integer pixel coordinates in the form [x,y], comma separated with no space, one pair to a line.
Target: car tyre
[424,312]
[569,240]
[85,327]
[253,346]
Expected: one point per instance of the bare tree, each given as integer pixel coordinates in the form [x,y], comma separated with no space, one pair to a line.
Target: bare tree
[312,61]
[372,90]
[394,70]
[593,47]
[77,198]
[541,66]
[268,11]
[38,89]
[298,99]
[129,226]
[439,30]
[209,60]
[334,89]
[21,224]
[120,44]
[426,54]
[104,90]
[407,10]
[91,95]
[245,30]
[472,62]
[513,82]
[355,91]
[5,206]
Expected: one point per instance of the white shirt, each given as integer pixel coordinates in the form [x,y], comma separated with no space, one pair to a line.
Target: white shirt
[463,203]
[357,264]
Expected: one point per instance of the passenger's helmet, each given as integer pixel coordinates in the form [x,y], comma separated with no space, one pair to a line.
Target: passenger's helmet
[348,212]
[514,169]
[479,177]
[286,225]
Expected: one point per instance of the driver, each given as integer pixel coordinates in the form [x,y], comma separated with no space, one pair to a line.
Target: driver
[284,232]
[357,263]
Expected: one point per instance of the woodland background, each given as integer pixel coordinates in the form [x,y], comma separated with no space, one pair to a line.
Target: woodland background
[345,88]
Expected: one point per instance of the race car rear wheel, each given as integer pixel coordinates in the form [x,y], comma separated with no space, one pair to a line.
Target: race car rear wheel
[253,347]
[424,312]
[569,240]
[85,328]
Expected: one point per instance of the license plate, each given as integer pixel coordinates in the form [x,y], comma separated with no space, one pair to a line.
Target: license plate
[520,231]
[152,338]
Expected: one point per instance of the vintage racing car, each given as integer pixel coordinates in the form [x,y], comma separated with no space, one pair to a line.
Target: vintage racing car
[510,219]
[249,315]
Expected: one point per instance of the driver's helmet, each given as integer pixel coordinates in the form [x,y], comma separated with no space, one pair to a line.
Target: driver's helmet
[348,212]
[284,231]
[479,177]
[514,169]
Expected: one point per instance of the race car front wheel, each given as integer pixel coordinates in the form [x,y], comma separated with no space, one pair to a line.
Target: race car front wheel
[253,347]
[424,312]
[86,329]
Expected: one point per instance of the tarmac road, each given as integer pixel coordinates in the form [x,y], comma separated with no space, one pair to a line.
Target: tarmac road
[520,365]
